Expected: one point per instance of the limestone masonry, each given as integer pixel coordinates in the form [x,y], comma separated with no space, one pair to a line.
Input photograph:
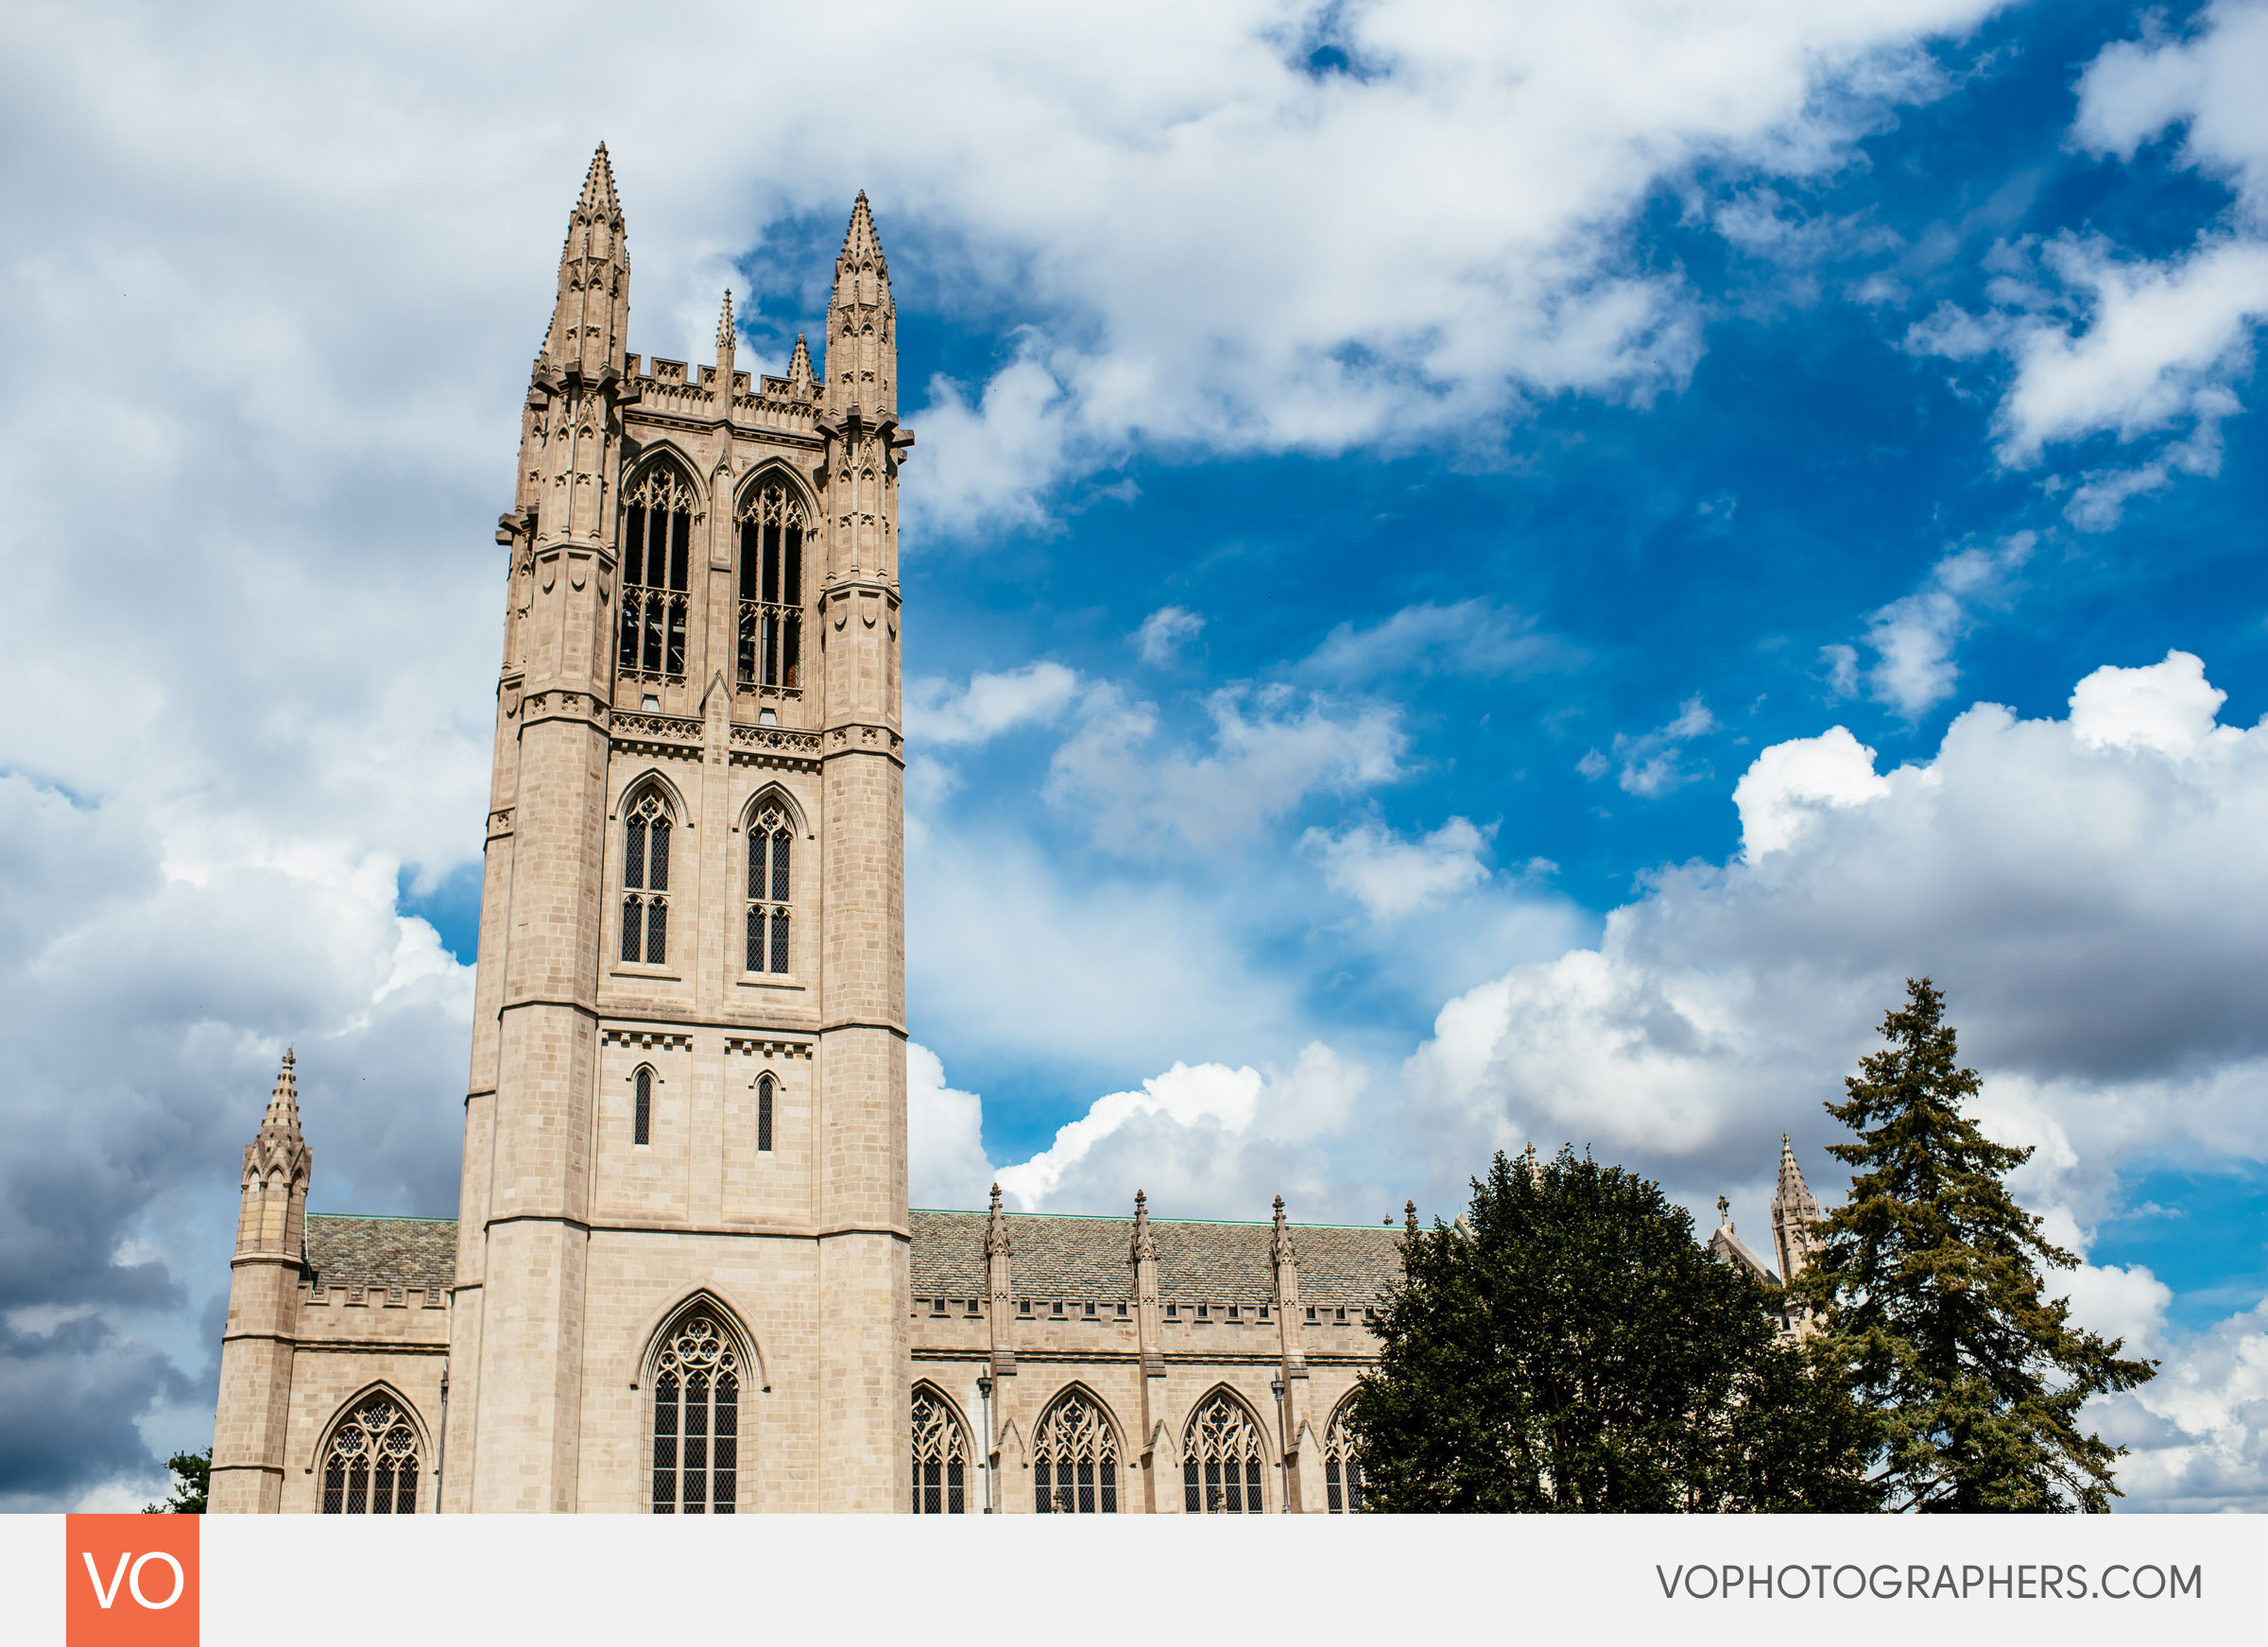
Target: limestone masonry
[683,1277]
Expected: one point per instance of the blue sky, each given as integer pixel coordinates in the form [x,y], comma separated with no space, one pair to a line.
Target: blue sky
[1459,564]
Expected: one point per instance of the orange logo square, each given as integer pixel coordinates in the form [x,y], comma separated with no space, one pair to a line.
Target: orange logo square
[131,1581]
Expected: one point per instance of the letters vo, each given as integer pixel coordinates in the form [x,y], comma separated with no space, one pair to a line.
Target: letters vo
[131,1581]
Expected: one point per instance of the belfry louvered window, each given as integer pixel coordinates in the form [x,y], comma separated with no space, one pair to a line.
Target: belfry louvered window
[645,879]
[371,1466]
[696,1421]
[1343,1484]
[940,1456]
[657,540]
[771,589]
[771,846]
[1075,1459]
[1220,1459]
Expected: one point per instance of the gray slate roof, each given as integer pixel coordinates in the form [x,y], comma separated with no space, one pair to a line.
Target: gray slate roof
[386,1252]
[1057,1256]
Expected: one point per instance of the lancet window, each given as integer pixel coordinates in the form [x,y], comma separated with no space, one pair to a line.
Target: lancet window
[645,879]
[771,589]
[1075,1459]
[371,1466]
[1221,1459]
[940,1456]
[642,1118]
[771,846]
[697,1420]
[763,1114]
[1343,1484]
[657,539]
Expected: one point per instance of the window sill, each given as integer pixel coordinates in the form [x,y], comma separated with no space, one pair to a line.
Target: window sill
[663,974]
[770,980]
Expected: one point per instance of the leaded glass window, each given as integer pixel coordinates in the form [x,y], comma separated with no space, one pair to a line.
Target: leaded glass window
[645,879]
[771,590]
[697,1420]
[371,1466]
[940,1456]
[763,1114]
[656,536]
[641,1121]
[1343,1484]
[1221,1459]
[771,889]
[1074,1458]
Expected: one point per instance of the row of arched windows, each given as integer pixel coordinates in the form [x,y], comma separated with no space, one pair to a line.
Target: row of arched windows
[657,539]
[371,1463]
[1075,1458]
[646,828]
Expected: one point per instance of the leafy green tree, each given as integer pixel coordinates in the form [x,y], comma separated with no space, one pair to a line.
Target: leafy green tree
[1928,1283]
[1576,1348]
[192,1477]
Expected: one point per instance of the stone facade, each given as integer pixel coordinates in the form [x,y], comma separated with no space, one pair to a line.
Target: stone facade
[684,1178]
[684,1276]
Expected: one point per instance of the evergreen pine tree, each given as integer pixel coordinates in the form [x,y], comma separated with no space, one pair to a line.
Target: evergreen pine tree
[1927,1281]
[1572,1347]
[192,1475]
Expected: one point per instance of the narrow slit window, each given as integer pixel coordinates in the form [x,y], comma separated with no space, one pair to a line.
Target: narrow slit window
[641,1121]
[763,1114]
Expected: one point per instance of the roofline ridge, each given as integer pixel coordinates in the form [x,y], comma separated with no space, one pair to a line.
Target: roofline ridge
[1121,1218]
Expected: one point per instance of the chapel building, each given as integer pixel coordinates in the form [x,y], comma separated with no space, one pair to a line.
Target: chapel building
[683,1277]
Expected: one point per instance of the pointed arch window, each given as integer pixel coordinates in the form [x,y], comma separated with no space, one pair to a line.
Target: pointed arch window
[771,889]
[646,833]
[1343,1485]
[696,1419]
[657,545]
[763,1114]
[1221,1459]
[940,1456]
[371,1466]
[1075,1462]
[642,1118]
[771,589]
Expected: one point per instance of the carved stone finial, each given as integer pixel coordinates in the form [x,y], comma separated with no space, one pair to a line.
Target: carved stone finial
[1409,1216]
[1143,1248]
[1724,1213]
[1280,1250]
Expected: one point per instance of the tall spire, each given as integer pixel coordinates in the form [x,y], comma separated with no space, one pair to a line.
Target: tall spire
[862,326]
[726,338]
[592,315]
[280,1124]
[1794,1213]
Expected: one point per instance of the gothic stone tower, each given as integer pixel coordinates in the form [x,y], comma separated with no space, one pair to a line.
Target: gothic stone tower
[683,1222]
[264,1283]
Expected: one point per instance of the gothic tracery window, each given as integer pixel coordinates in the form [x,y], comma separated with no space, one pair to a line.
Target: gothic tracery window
[657,539]
[1343,1484]
[1074,1458]
[697,1420]
[371,1466]
[772,844]
[645,879]
[1221,1459]
[771,589]
[940,1456]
